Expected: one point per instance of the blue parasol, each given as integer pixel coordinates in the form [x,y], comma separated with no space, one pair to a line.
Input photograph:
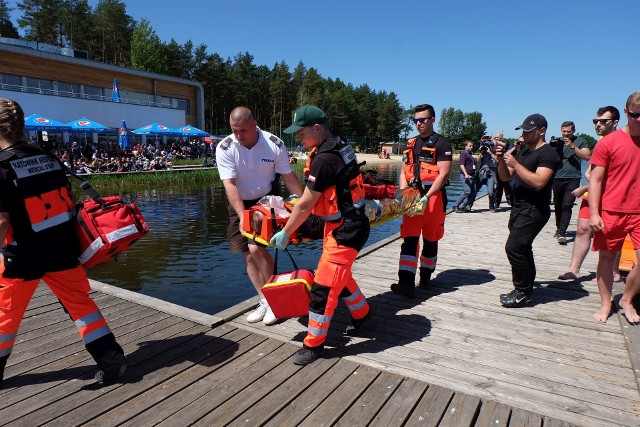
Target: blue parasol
[37,122]
[123,139]
[155,129]
[189,130]
[115,92]
[85,125]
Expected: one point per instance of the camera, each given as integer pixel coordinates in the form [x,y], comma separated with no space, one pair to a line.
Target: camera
[486,145]
[554,142]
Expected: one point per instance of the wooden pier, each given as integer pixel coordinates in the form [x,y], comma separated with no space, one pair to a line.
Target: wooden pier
[452,356]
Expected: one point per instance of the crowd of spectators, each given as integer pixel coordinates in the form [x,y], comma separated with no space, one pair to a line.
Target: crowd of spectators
[108,156]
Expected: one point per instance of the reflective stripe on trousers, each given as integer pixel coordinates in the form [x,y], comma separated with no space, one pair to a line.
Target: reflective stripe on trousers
[428,262]
[324,300]
[92,327]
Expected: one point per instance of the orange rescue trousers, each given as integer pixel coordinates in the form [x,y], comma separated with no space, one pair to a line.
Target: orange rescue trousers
[333,280]
[72,288]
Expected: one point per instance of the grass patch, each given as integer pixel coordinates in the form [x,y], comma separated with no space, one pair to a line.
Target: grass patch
[119,181]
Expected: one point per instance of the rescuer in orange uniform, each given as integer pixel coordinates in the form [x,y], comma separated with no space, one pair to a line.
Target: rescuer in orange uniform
[335,193]
[37,229]
[427,163]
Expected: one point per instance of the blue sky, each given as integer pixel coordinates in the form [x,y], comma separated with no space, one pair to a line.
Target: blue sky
[505,59]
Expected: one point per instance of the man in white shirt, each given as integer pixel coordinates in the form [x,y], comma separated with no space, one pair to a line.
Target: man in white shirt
[248,163]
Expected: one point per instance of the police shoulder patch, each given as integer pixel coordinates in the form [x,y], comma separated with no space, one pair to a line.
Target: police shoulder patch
[224,144]
[276,140]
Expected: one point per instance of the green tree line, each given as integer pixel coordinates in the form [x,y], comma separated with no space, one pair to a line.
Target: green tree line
[273,93]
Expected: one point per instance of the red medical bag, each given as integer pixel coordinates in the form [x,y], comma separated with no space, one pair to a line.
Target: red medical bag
[107,228]
[288,294]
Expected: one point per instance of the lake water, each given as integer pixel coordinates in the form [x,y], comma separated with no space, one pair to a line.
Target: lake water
[185,258]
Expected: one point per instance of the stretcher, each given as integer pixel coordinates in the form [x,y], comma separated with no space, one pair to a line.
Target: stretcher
[263,221]
[628,258]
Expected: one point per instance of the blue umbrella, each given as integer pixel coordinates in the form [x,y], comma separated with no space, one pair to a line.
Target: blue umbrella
[189,130]
[124,137]
[85,125]
[155,129]
[37,122]
[115,92]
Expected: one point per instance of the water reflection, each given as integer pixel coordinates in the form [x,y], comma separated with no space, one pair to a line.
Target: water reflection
[185,258]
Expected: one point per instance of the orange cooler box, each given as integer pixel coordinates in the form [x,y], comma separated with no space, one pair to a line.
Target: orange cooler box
[288,294]
[628,258]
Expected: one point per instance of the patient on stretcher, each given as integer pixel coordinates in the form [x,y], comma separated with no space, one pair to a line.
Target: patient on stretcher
[271,213]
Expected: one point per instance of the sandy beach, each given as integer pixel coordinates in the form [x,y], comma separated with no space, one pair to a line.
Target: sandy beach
[373,159]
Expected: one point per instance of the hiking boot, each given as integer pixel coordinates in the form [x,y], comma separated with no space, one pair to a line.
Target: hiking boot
[562,239]
[356,325]
[406,289]
[269,318]
[516,298]
[110,372]
[259,313]
[425,282]
[307,355]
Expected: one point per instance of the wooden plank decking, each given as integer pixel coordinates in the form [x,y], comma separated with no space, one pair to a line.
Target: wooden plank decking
[550,358]
[451,357]
[183,373]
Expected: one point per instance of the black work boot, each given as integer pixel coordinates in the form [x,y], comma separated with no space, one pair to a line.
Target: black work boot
[356,325]
[3,363]
[425,279]
[109,357]
[112,365]
[406,289]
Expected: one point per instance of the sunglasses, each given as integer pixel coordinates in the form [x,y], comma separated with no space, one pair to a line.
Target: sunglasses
[421,120]
[603,121]
[632,114]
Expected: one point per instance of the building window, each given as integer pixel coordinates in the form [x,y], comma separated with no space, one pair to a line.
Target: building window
[68,89]
[12,81]
[40,86]
[184,104]
[92,92]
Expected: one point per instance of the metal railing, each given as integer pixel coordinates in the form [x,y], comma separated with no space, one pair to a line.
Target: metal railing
[125,100]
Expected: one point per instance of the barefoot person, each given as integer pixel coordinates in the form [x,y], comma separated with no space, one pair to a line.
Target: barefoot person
[614,201]
[605,122]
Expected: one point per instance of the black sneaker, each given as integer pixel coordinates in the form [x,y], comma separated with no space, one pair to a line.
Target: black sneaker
[115,370]
[406,289]
[356,325]
[307,355]
[516,298]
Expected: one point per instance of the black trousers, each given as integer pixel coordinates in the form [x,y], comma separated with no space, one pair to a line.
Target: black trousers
[500,187]
[524,225]
[563,201]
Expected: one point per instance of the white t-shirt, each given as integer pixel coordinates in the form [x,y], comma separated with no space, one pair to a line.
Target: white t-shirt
[254,169]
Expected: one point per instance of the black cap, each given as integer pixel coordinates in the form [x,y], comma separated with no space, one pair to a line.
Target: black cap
[532,122]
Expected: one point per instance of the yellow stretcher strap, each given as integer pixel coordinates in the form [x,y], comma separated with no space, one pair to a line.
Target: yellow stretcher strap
[286,282]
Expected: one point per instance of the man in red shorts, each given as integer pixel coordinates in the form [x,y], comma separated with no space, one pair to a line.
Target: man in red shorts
[605,122]
[614,198]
